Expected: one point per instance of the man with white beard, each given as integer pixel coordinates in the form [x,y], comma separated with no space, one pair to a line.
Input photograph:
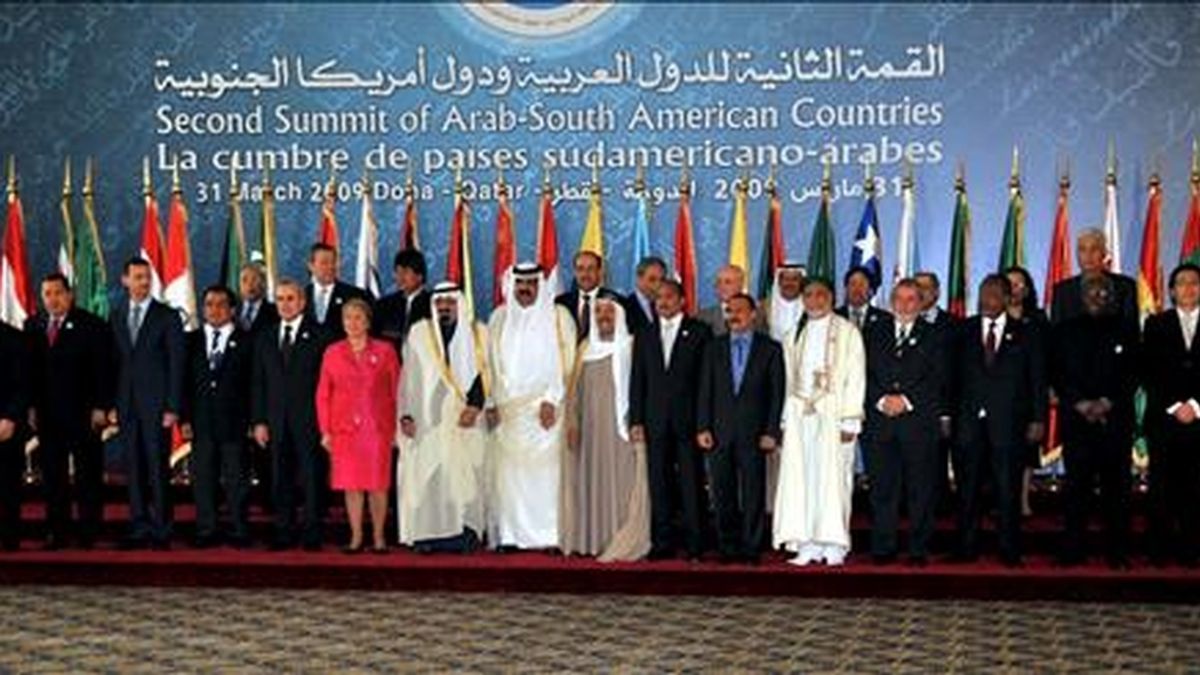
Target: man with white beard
[441,480]
[531,352]
[780,313]
[822,415]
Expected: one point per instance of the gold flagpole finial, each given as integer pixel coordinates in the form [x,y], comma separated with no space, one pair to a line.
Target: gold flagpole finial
[176,184]
[826,177]
[147,178]
[331,186]
[366,178]
[233,182]
[67,177]
[266,180]
[772,188]
[685,180]
[547,188]
[596,177]
[1014,178]
[87,178]
[408,181]
[1110,172]
[12,175]
[1064,179]
[743,181]
[458,181]
[906,180]
[868,178]
[1195,161]
[500,179]
[960,177]
[639,181]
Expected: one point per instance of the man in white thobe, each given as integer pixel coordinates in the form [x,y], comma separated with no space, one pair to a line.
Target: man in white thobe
[440,476]
[822,415]
[532,351]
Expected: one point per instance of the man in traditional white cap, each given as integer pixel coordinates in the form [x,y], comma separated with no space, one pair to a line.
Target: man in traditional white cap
[440,478]
[822,415]
[605,507]
[531,352]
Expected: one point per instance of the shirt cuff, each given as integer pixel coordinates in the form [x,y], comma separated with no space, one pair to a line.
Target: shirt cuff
[908,406]
[851,425]
[1173,408]
[1195,406]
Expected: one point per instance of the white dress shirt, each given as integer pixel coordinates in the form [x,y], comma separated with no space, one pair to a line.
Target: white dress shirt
[669,330]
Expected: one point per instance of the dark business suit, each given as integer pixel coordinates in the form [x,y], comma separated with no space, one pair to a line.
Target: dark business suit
[258,461]
[218,402]
[1172,375]
[662,399]
[394,316]
[342,292]
[283,397]
[902,450]
[70,379]
[570,300]
[1093,358]
[872,317]
[149,383]
[15,396]
[1068,298]
[264,316]
[737,420]
[636,317]
[995,399]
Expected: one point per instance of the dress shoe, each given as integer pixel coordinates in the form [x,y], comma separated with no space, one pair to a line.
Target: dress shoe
[1117,562]
[918,561]
[312,546]
[86,542]
[279,544]
[160,545]
[351,550]
[238,541]
[882,559]
[1068,560]
[729,558]
[660,554]
[1012,561]
[204,541]
[53,542]
[963,558]
[132,544]
[11,545]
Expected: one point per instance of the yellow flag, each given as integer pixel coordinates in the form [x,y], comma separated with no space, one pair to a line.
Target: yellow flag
[739,248]
[593,232]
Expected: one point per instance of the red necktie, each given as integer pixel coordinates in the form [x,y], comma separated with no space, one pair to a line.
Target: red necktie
[52,333]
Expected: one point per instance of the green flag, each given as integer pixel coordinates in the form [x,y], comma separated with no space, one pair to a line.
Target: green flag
[234,251]
[960,239]
[821,260]
[91,279]
[1012,246]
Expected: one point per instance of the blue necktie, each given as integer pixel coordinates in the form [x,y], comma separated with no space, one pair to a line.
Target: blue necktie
[739,363]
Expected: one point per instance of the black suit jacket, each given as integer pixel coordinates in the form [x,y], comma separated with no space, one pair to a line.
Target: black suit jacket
[1091,358]
[1172,375]
[267,315]
[916,370]
[342,292]
[284,397]
[570,300]
[72,378]
[1010,393]
[217,401]
[393,318]
[1068,298]
[874,316]
[741,418]
[663,398]
[635,316]
[150,371]
[15,389]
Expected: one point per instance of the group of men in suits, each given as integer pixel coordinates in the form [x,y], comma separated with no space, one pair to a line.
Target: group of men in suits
[706,397]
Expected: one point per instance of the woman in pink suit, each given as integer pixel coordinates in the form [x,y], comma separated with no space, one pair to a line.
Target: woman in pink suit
[356,412]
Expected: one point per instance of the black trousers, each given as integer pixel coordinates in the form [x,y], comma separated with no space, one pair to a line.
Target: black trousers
[1097,453]
[675,470]
[292,463]
[739,476]
[982,461]
[12,474]
[1174,486]
[147,464]
[216,464]
[61,492]
[903,457]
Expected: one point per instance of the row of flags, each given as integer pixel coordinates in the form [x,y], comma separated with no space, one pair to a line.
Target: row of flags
[80,256]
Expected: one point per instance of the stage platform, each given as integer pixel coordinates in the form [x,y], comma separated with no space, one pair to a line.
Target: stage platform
[528,572]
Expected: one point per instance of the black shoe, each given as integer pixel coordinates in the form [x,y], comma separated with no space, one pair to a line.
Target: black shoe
[660,554]
[239,541]
[1012,561]
[53,542]
[1117,562]
[132,544]
[11,545]
[963,558]
[160,545]
[918,561]
[882,559]
[350,550]
[1068,560]
[203,541]
[279,544]
[86,542]
[752,559]
[312,546]
[729,558]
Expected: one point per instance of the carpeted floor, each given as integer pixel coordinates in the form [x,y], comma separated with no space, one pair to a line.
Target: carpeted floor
[108,629]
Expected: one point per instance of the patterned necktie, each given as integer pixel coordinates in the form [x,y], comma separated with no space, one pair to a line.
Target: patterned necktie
[135,322]
[52,331]
[322,304]
[214,351]
[247,319]
[989,345]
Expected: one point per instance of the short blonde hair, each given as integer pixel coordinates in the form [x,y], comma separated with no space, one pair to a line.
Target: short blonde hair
[359,304]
